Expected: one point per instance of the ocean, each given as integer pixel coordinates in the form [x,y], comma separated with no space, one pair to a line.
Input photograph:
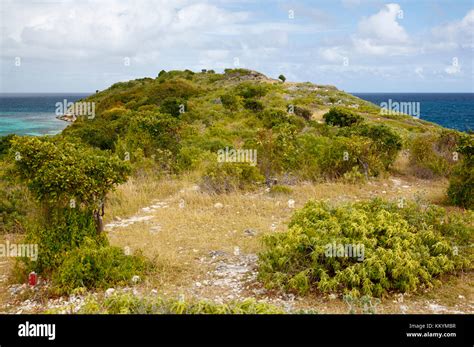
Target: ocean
[34,114]
[451,110]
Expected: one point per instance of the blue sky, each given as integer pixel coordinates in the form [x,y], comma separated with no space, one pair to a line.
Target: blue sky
[357,45]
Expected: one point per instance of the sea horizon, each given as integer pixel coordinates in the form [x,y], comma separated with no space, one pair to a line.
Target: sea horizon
[35,113]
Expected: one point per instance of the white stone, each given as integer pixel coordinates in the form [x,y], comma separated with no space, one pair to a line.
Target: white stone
[109,292]
[236,251]
[291,203]
[218,205]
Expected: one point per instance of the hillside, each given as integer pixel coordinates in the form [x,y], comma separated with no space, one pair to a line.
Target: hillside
[227,187]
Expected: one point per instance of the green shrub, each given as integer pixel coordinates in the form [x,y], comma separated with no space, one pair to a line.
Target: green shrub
[461,184]
[173,106]
[402,249]
[130,304]
[227,177]
[274,117]
[5,144]
[95,265]
[250,90]
[152,131]
[431,155]
[341,117]
[386,143]
[230,101]
[253,105]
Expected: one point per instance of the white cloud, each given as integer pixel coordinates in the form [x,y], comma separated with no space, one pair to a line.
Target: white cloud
[458,34]
[383,26]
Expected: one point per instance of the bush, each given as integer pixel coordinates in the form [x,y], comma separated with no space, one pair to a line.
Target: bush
[130,304]
[152,131]
[386,143]
[250,90]
[431,156]
[303,112]
[230,101]
[173,106]
[95,265]
[341,117]
[461,184]
[253,105]
[274,117]
[228,177]
[397,249]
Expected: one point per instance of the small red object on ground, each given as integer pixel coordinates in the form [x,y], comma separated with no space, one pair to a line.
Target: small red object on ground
[32,278]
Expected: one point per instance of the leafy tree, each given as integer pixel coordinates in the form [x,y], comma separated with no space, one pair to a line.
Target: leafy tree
[341,117]
[282,78]
[61,172]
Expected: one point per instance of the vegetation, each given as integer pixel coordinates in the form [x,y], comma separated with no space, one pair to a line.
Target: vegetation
[461,185]
[392,248]
[130,304]
[55,190]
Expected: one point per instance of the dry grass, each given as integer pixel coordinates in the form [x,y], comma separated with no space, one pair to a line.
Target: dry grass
[188,234]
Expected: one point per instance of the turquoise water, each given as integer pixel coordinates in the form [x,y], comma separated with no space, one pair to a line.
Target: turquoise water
[32,114]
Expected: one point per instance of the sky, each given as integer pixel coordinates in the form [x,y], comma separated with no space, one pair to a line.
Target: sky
[356,45]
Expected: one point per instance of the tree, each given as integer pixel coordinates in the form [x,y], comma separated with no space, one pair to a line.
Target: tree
[62,175]
[282,78]
[341,117]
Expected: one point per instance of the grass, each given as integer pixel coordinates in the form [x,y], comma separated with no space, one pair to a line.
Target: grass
[186,235]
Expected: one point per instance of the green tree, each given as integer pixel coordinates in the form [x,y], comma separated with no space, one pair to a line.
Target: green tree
[61,174]
[282,78]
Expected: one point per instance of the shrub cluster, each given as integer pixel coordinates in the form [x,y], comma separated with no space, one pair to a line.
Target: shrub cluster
[403,248]
[461,184]
[129,304]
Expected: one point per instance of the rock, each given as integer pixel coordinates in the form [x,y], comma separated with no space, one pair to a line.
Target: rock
[182,204]
[461,297]
[136,279]
[291,203]
[154,291]
[332,296]
[236,251]
[198,284]
[215,254]
[218,205]
[250,232]
[109,292]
